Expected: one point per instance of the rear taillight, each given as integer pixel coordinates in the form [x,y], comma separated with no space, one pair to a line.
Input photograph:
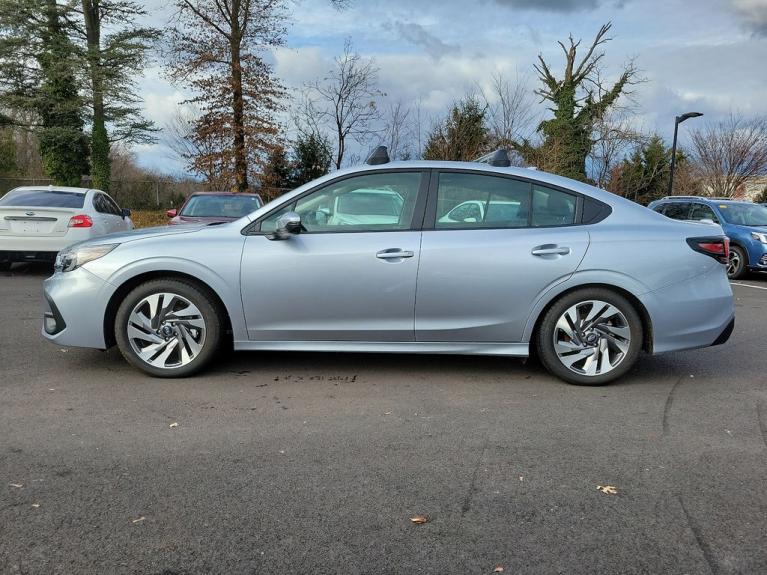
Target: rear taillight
[80,221]
[718,247]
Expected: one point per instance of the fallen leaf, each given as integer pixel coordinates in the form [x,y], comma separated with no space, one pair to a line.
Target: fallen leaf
[419,519]
[607,489]
[174,424]
[35,505]
[139,520]
[17,485]
[498,569]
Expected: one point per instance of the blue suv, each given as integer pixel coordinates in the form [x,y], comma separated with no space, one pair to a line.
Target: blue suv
[745,223]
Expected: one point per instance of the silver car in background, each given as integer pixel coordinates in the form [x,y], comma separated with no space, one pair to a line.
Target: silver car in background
[36,222]
[365,260]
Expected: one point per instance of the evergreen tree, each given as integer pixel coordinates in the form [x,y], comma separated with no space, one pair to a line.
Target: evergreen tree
[38,64]
[277,175]
[643,177]
[312,158]
[462,136]
[111,60]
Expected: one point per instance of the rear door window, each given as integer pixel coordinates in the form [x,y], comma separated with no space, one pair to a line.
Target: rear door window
[480,201]
[552,207]
[43,199]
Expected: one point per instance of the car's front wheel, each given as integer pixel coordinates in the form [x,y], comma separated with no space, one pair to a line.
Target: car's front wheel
[736,266]
[590,337]
[168,328]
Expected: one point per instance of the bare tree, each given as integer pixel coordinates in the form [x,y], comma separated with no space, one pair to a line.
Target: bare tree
[509,110]
[180,134]
[613,137]
[398,131]
[344,102]
[729,152]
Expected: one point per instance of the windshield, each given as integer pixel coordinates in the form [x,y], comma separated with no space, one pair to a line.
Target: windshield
[229,206]
[744,214]
[43,199]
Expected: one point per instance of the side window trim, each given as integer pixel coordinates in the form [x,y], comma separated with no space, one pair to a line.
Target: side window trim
[254,228]
[431,207]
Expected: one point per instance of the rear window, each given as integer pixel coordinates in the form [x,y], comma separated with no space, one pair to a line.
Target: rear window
[43,199]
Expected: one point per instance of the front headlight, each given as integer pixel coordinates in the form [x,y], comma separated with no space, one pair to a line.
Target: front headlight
[760,237]
[72,258]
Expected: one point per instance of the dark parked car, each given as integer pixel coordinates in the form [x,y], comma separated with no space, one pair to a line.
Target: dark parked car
[211,207]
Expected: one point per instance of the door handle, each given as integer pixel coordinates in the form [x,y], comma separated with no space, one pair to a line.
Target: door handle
[550,250]
[394,254]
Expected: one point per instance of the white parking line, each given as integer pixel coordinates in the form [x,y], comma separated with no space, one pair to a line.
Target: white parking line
[748,285]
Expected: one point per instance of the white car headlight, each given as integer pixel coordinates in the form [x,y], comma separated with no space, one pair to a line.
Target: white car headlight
[72,258]
[759,237]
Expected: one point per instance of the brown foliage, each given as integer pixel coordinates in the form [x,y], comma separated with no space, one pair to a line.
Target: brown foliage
[217,49]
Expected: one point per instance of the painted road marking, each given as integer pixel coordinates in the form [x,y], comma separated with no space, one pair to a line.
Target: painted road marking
[748,285]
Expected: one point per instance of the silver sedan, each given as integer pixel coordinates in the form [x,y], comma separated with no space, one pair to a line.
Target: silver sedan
[406,257]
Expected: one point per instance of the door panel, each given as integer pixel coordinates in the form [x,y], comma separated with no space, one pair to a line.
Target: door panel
[479,285]
[331,286]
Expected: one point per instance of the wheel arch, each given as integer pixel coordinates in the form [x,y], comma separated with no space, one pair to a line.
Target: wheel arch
[647,327]
[128,285]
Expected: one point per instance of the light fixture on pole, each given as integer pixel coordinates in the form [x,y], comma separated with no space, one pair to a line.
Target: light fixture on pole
[679,120]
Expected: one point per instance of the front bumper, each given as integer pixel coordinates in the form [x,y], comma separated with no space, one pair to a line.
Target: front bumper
[74,309]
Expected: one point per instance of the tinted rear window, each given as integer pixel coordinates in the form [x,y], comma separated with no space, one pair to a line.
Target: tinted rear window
[43,199]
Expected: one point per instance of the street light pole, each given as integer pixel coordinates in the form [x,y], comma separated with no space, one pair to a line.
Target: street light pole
[678,120]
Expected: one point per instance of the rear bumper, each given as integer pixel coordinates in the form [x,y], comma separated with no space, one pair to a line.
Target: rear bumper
[10,245]
[27,256]
[695,313]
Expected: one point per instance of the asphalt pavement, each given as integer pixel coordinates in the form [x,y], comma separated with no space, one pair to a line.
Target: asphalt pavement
[315,463]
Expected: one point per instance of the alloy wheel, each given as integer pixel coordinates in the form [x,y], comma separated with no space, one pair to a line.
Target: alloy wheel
[166,330]
[592,337]
[733,263]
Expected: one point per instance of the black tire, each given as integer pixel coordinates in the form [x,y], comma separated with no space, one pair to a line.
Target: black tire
[738,263]
[199,297]
[544,339]
[5,266]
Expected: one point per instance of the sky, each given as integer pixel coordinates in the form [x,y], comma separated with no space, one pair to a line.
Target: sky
[707,56]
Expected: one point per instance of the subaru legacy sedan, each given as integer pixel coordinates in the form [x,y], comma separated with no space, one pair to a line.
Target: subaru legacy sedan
[364,260]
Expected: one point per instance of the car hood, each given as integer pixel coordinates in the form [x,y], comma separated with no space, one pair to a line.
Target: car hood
[760,229]
[133,235]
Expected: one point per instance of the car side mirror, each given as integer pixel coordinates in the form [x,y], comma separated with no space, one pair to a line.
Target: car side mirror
[171,213]
[126,213]
[287,224]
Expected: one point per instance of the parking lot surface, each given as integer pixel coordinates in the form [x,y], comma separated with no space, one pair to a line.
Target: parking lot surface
[315,463]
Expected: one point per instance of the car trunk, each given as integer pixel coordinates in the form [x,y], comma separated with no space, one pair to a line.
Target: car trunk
[35,221]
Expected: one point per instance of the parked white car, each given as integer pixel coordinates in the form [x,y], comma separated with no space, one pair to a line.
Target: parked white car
[37,222]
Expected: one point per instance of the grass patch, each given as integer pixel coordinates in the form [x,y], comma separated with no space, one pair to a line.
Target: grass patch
[149,218]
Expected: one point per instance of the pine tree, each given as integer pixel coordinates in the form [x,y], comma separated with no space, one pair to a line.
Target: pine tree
[38,64]
[312,158]
[111,61]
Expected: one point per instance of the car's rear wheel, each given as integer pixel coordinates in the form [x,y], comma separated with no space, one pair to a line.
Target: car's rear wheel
[590,337]
[5,266]
[736,266]
[168,328]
